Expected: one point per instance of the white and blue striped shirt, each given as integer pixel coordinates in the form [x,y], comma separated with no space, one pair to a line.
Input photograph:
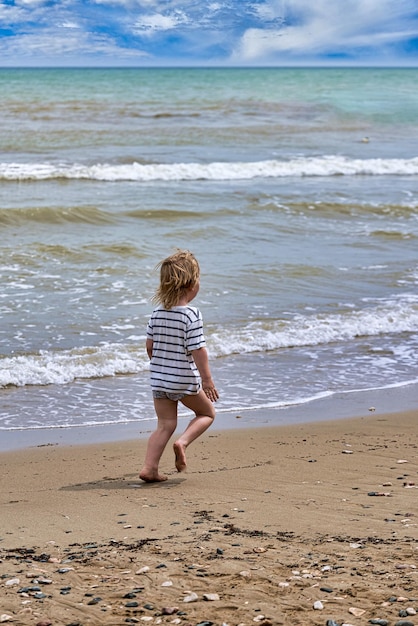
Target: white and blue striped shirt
[175,333]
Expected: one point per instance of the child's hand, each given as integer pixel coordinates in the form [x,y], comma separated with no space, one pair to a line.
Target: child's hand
[211,391]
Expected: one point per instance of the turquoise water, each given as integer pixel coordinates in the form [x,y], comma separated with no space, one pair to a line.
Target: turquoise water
[295,188]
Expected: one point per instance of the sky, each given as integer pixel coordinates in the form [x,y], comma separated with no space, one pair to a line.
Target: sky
[149,33]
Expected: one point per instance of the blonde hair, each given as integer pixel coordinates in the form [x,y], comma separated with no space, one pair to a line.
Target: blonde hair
[178,273]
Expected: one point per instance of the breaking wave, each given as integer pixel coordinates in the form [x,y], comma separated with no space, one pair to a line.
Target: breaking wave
[299,167]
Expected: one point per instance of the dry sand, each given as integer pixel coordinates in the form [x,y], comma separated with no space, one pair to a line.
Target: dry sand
[265,523]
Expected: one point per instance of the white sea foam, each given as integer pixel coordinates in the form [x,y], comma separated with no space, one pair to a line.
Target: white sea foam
[61,367]
[332,165]
[65,366]
[389,317]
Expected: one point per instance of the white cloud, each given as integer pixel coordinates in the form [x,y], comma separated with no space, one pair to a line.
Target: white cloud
[159,22]
[70,25]
[10,14]
[56,43]
[323,27]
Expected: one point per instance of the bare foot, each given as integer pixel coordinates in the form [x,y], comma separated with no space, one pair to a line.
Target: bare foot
[152,477]
[180,452]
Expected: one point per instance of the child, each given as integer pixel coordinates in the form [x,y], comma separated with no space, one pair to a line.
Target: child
[179,363]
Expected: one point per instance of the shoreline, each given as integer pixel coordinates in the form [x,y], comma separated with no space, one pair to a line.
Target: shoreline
[344,405]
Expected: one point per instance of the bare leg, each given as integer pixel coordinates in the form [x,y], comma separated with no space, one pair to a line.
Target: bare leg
[167,421]
[205,414]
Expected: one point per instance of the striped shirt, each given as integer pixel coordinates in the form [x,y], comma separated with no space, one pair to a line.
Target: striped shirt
[175,334]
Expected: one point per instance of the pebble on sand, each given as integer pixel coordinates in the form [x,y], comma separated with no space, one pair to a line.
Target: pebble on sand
[356,612]
[210,597]
[318,606]
[191,597]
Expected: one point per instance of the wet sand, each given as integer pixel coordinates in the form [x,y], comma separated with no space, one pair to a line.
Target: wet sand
[266,524]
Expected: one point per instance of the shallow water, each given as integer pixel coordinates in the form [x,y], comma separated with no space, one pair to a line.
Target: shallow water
[296,189]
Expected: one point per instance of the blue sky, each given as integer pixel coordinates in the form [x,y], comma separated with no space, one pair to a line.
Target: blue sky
[217,33]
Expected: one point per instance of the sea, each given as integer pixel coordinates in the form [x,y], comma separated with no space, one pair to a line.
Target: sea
[296,189]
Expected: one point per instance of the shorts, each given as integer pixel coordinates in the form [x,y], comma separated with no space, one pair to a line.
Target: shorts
[166,395]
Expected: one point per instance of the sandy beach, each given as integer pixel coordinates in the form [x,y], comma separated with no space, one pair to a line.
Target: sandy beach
[310,524]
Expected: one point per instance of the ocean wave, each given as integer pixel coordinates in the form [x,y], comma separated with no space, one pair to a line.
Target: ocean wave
[299,167]
[62,367]
[55,215]
[398,316]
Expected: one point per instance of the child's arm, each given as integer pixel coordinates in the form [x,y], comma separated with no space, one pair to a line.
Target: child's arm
[201,359]
[148,346]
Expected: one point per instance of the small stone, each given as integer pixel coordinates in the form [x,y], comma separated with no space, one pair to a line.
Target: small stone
[356,612]
[326,589]
[12,581]
[330,622]
[167,583]
[411,611]
[245,574]
[318,606]
[169,610]
[44,622]
[210,597]
[402,461]
[192,597]
[379,622]
[130,605]
[143,570]
[347,452]
[4,617]
[65,570]
[94,601]
[404,622]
